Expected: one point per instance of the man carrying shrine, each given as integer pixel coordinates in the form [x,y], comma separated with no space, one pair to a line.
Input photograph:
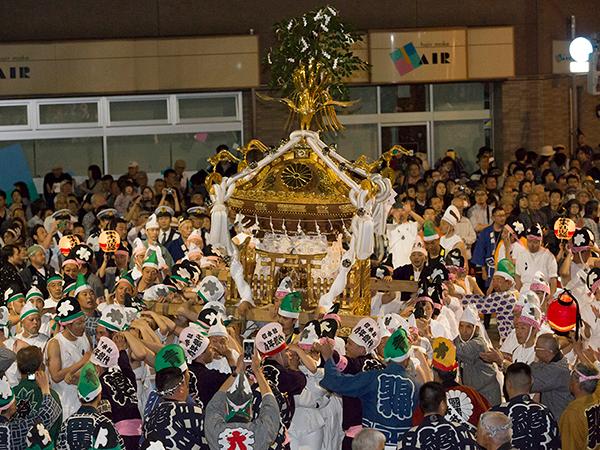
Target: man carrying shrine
[436,431]
[87,425]
[230,423]
[388,396]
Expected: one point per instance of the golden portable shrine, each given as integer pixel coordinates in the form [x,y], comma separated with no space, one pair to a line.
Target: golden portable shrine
[301,209]
[293,215]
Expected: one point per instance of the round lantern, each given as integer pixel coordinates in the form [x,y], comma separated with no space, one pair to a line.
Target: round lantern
[109,241]
[66,243]
[563,314]
[564,228]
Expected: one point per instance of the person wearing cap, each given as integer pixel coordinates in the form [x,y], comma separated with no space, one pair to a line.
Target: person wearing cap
[151,242]
[166,233]
[580,421]
[30,320]
[388,396]
[574,264]
[450,239]
[288,314]
[431,239]
[280,369]
[413,270]
[474,371]
[37,271]
[464,229]
[318,415]
[105,217]
[54,285]
[534,258]
[230,419]
[534,426]
[28,394]
[357,358]
[14,301]
[84,294]
[79,430]
[199,353]
[178,247]
[13,429]
[67,352]
[174,422]
[150,272]
[226,349]
[500,301]
[119,387]
[402,233]
[465,404]
[437,430]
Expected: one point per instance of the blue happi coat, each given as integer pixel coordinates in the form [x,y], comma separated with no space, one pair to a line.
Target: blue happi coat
[388,396]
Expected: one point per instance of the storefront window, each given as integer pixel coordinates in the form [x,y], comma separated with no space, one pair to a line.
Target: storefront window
[465,136]
[366,101]
[460,97]
[161,150]
[356,140]
[74,155]
[203,108]
[411,137]
[68,113]
[139,110]
[13,115]
[404,98]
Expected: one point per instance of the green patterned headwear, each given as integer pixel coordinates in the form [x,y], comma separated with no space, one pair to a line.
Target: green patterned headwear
[506,269]
[429,231]
[291,305]
[88,387]
[397,347]
[239,400]
[170,356]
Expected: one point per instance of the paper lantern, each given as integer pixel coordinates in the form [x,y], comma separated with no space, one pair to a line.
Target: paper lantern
[109,241]
[564,228]
[563,314]
[66,243]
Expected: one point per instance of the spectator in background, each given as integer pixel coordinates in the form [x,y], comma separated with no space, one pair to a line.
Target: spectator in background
[11,261]
[93,183]
[4,211]
[480,214]
[590,218]
[52,182]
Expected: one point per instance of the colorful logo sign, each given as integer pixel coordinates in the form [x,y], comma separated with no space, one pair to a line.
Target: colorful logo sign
[406,59]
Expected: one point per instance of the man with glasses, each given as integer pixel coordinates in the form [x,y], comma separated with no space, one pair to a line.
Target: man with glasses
[551,375]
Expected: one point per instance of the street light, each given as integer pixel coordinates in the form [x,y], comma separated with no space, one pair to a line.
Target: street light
[580,49]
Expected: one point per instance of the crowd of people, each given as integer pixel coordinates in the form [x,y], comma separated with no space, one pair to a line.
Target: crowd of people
[497,348]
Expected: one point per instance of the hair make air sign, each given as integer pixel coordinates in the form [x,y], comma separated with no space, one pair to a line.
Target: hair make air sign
[441,55]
